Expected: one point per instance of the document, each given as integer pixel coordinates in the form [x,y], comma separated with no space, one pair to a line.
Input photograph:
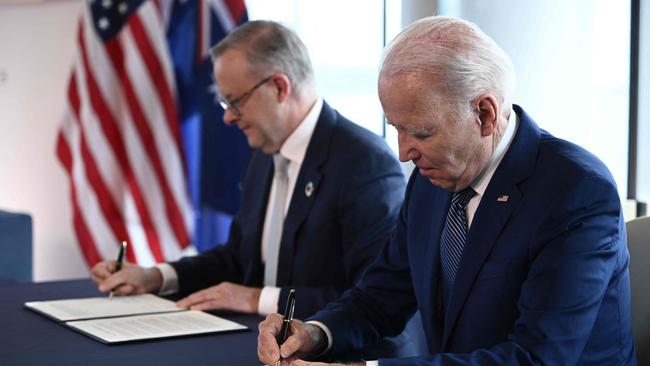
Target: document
[102,307]
[131,318]
[140,327]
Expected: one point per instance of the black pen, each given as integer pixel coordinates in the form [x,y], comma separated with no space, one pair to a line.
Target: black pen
[288,317]
[118,265]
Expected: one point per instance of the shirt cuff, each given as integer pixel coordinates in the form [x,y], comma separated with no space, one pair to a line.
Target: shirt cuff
[269,298]
[169,279]
[372,363]
[327,332]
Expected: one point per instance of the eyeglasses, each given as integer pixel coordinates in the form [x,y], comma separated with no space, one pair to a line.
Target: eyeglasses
[234,104]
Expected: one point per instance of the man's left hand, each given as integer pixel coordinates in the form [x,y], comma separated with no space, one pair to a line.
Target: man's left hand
[224,296]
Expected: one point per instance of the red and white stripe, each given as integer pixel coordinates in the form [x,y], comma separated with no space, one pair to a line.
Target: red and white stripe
[120,144]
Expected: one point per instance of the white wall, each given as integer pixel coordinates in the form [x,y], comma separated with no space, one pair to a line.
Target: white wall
[345,55]
[37,43]
[572,64]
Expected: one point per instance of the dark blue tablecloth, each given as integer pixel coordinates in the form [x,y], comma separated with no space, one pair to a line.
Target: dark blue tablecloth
[27,338]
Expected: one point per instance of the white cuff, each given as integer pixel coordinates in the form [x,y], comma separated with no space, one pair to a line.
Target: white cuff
[372,363]
[169,279]
[325,329]
[269,298]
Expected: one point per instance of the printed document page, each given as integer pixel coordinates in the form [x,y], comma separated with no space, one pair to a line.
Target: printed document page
[102,307]
[140,327]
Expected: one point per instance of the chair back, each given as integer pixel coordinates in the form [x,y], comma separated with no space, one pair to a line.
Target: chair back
[638,243]
[15,247]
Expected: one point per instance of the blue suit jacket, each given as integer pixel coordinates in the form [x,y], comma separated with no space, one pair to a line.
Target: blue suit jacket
[543,278]
[330,236]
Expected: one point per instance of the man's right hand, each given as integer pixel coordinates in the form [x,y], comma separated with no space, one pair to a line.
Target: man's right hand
[304,339]
[131,279]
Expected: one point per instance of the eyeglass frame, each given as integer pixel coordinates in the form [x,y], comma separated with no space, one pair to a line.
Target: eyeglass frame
[232,104]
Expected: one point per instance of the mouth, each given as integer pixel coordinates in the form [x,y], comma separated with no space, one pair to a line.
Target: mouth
[429,172]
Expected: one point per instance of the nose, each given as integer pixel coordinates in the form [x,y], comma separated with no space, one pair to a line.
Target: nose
[406,148]
[230,117]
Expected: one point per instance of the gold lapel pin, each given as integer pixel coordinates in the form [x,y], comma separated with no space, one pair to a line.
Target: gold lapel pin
[309,189]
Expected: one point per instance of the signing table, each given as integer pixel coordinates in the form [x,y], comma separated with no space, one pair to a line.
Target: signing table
[27,338]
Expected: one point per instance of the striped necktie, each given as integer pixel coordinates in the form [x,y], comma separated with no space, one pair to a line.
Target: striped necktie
[453,237]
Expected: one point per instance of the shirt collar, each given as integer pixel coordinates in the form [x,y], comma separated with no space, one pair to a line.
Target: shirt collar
[295,146]
[481,182]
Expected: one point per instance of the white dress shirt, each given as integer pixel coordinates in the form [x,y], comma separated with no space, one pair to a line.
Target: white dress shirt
[294,150]
[479,185]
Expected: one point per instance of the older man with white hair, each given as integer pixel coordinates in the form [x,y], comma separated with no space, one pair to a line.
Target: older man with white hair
[510,242]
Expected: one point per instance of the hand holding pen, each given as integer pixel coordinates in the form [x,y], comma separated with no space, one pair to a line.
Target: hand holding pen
[286,321]
[118,265]
[274,343]
[123,278]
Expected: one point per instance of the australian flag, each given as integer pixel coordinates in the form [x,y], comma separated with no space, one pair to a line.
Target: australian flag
[216,154]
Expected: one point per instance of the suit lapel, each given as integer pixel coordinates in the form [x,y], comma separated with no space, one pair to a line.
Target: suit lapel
[489,220]
[429,233]
[493,214]
[262,165]
[306,190]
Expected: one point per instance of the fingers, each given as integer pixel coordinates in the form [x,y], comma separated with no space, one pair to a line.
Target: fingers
[207,305]
[131,279]
[222,296]
[272,324]
[298,362]
[124,289]
[299,342]
[291,345]
[101,271]
[268,350]
[129,274]
[208,295]
[112,282]
[267,345]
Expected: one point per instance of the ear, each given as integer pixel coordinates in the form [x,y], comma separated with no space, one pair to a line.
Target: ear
[282,85]
[487,109]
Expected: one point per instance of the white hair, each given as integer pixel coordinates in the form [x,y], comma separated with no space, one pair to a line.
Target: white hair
[463,60]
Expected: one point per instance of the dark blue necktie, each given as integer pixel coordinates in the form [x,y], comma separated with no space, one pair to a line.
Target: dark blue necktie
[453,237]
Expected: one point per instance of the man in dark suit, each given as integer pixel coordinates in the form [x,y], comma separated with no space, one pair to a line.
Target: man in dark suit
[319,197]
[510,242]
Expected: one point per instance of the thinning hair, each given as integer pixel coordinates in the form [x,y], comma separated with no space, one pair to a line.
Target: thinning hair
[462,59]
[270,47]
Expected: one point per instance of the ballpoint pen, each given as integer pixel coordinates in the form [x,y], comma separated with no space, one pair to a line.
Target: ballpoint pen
[118,265]
[286,321]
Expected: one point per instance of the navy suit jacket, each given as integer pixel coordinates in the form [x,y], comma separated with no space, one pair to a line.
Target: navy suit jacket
[543,278]
[330,236]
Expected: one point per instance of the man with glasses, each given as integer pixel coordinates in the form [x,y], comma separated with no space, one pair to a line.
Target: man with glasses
[320,196]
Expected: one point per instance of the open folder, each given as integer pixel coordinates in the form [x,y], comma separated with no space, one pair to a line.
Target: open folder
[131,318]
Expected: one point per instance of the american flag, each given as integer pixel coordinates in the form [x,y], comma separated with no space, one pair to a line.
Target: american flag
[120,142]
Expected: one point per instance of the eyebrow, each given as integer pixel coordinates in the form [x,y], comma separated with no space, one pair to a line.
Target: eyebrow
[412,130]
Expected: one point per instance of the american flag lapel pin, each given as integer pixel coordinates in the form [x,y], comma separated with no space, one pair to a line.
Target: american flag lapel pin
[503,198]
